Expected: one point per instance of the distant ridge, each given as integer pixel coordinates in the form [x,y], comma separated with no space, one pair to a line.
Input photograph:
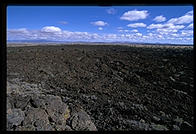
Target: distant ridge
[87,42]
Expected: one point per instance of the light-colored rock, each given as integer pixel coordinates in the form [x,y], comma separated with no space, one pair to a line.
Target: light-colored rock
[36,117]
[156,118]
[158,127]
[139,125]
[178,120]
[15,117]
[82,121]
[186,126]
[171,78]
[165,60]
[140,107]
[175,127]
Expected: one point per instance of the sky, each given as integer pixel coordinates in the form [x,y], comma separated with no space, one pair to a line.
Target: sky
[148,24]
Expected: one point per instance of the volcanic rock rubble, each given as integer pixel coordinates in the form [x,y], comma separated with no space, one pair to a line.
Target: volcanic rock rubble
[78,87]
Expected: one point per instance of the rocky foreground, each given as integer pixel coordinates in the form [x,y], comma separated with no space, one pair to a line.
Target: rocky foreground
[75,88]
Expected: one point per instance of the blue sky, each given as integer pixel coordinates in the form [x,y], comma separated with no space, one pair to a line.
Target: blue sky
[150,24]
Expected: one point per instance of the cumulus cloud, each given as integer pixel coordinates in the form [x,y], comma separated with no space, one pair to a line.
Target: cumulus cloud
[55,33]
[134,30]
[187,18]
[165,26]
[134,15]
[50,33]
[137,25]
[99,23]
[190,26]
[121,30]
[139,34]
[159,18]
[111,11]
[152,26]
[51,29]
[175,35]
[19,31]
[165,29]
[187,32]
[189,13]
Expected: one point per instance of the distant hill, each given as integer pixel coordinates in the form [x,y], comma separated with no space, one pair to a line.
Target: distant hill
[87,42]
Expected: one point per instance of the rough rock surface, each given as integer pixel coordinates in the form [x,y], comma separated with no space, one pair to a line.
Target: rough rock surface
[80,87]
[28,108]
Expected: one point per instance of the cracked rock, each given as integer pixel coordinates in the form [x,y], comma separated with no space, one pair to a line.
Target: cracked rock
[82,121]
[14,117]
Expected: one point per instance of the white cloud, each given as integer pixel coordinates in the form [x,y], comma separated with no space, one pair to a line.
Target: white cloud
[100,28]
[190,26]
[109,37]
[187,32]
[99,23]
[160,34]
[123,30]
[134,15]
[51,29]
[139,34]
[152,26]
[134,30]
[165,26]
[159,18]
[175,35]
[19,31]
[137,25]
[187,18]
[166,31]
[189,13]
[111,11]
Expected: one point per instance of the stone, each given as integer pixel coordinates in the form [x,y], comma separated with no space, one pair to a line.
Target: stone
[156,118]
[21,101]
[178,121]
[171,78]
[186,126]
[93,97]
[142,121]
[82,121]
[139,125]
[140,107]
[14,117]
[181,72]
[162,113]
[165,60]
[36,117]
[122,105]
[158,127]
[180,92]
[26,128]
[12,88]
[175,127]
[68,128]
[183,83]
[155,83]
